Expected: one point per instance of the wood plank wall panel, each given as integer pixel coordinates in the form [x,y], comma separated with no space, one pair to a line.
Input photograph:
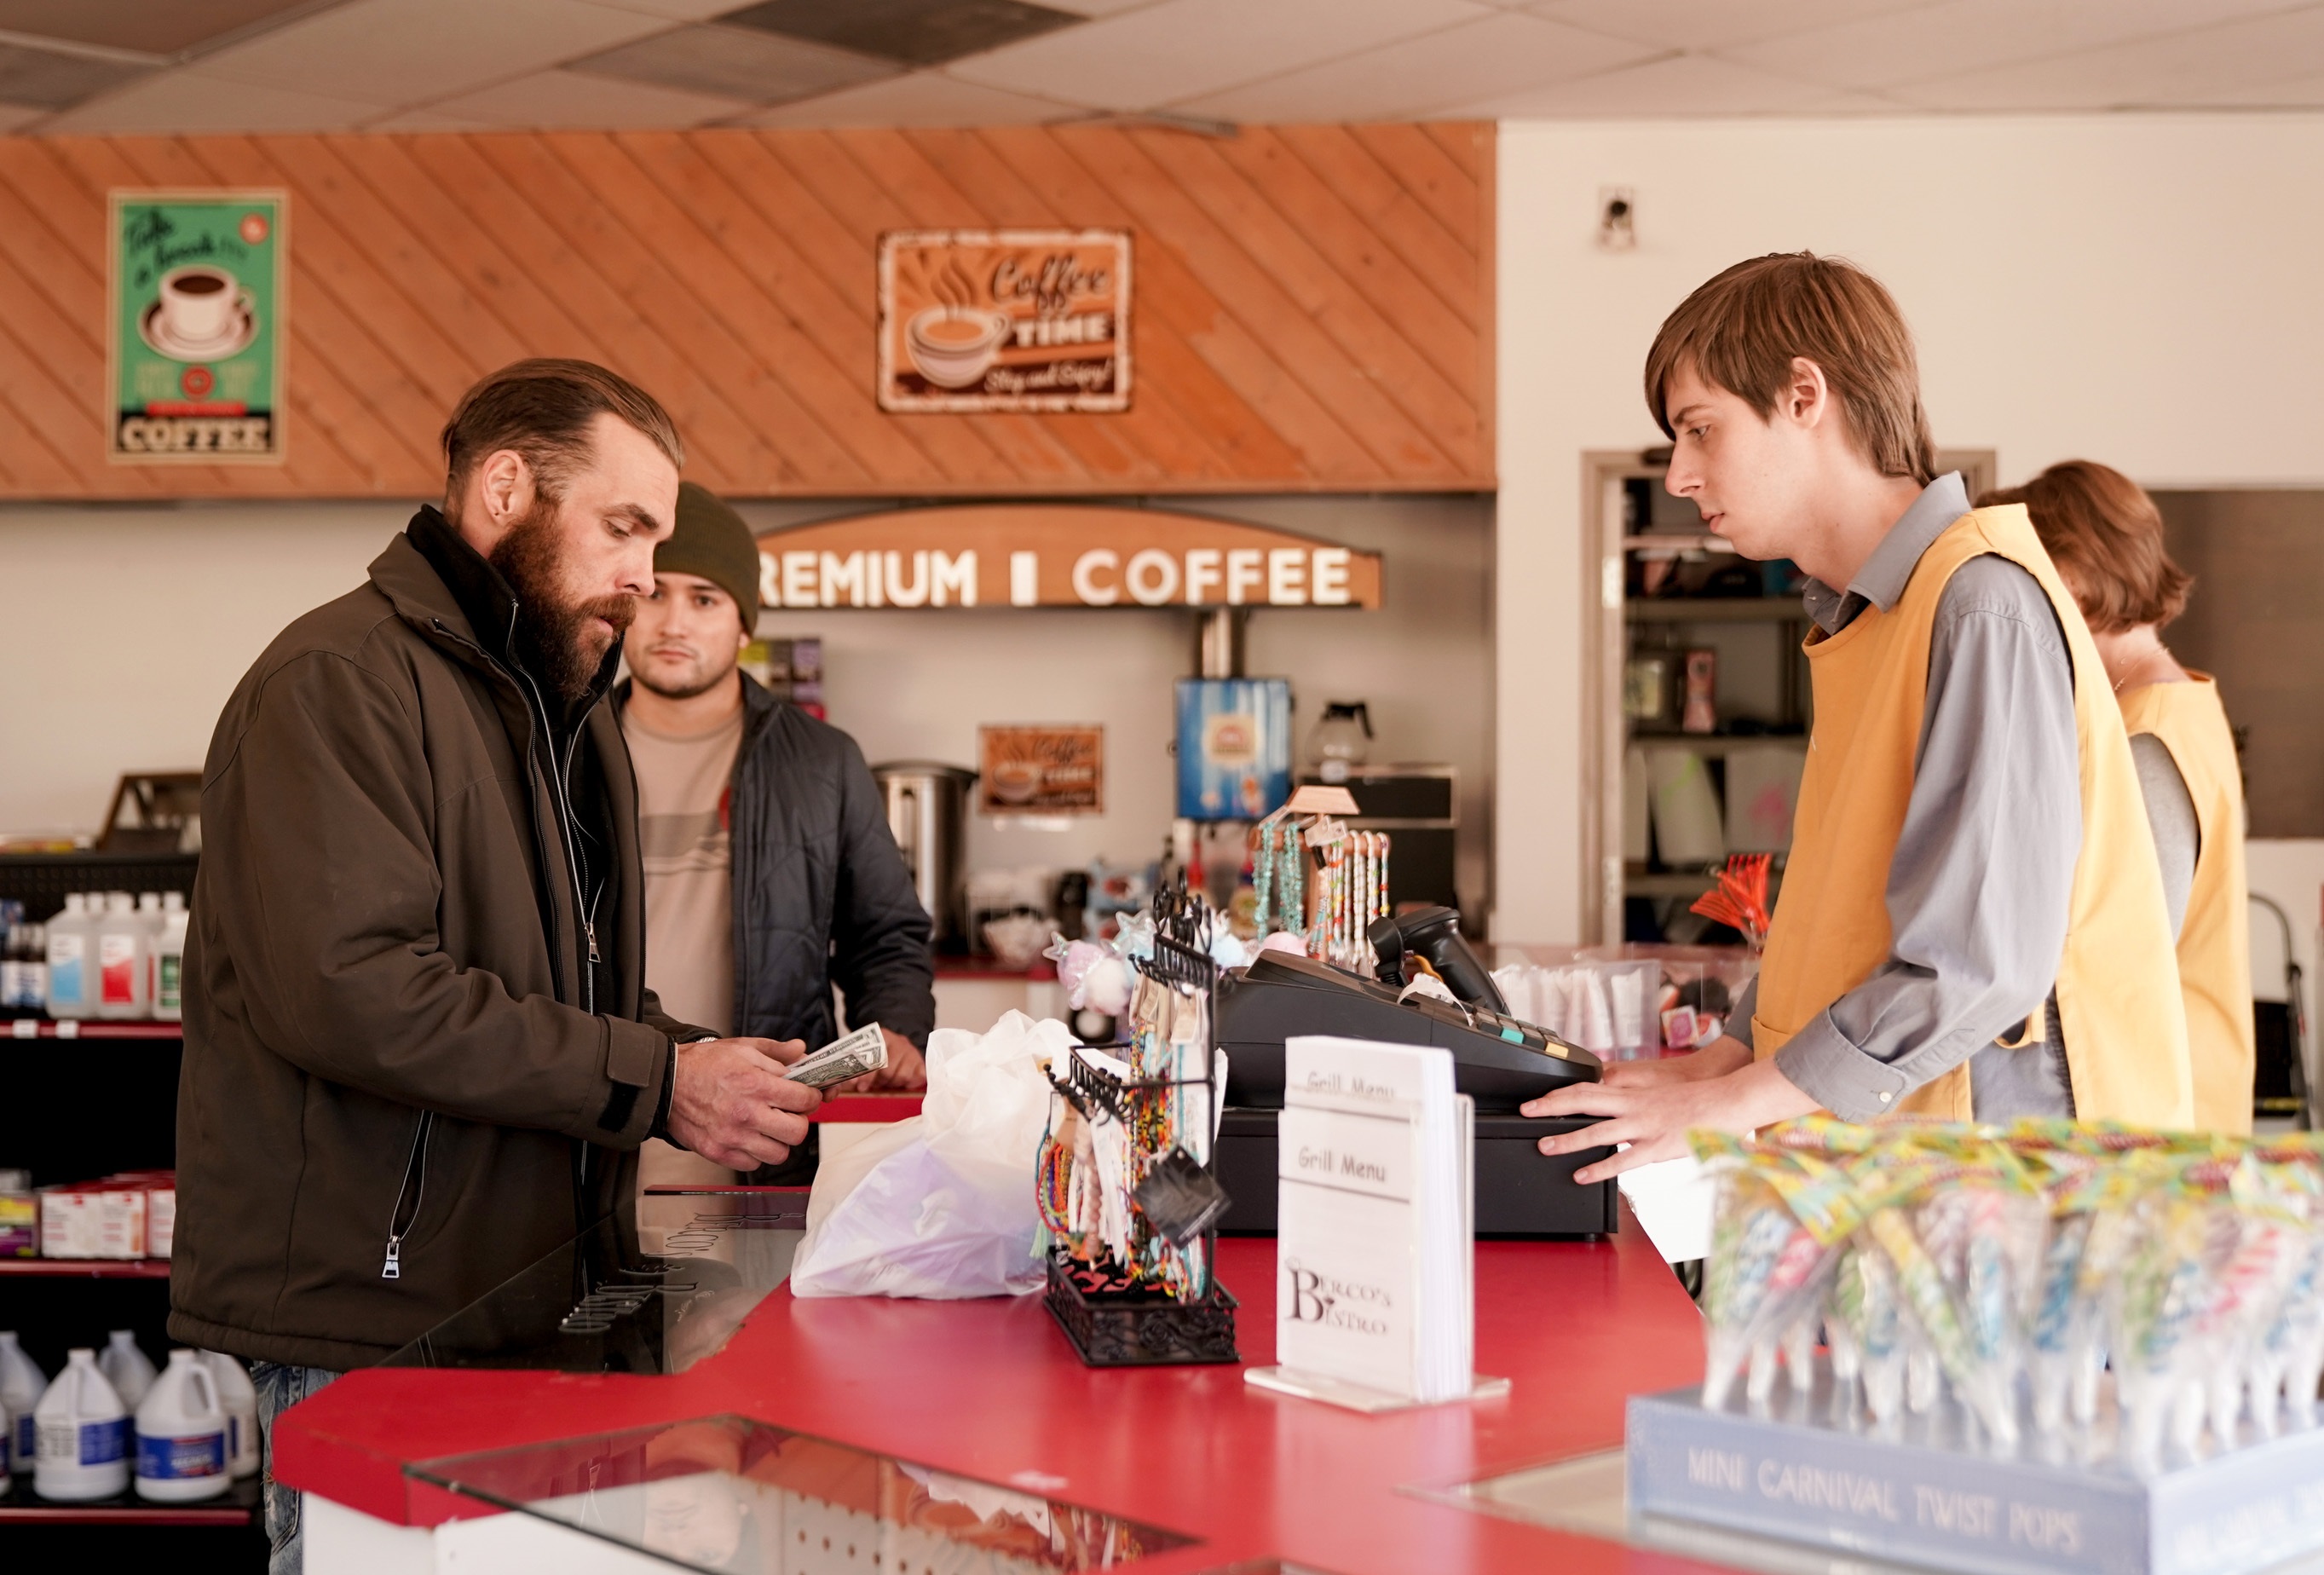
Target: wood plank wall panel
[1313,304]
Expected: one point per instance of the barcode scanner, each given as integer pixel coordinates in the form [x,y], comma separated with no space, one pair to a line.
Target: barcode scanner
[1433,935]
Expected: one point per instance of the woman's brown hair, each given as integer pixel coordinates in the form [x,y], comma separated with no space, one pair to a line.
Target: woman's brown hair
[1741,330]
[2105,534]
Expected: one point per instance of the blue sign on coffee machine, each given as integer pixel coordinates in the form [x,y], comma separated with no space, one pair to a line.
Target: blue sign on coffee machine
[1234,748]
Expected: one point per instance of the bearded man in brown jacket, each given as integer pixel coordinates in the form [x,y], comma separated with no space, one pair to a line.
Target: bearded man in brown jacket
[419,1051]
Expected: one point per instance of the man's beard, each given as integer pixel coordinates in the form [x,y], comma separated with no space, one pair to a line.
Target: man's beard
[554,638]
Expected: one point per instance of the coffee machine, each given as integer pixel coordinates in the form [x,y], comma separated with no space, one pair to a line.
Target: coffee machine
[928,811]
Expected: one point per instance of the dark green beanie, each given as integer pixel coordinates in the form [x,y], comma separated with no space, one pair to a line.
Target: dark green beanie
[712,542]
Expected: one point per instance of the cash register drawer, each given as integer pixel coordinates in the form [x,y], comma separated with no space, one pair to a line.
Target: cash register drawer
[1520,1191]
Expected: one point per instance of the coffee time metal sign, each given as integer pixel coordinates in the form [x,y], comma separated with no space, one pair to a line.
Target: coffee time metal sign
[194,330]
[1034,555]
[1004,320]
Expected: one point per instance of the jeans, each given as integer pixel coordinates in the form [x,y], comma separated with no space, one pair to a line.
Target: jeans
[279,1389]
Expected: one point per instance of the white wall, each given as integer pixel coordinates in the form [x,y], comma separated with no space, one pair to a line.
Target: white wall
[126,627]
[917,685]
[124,631]
[2138,290]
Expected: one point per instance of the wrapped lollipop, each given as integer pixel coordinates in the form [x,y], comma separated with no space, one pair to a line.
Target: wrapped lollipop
[2164,1290]
[1981,1214]
[1766,1266]
[2284,1182]
[1867,1330]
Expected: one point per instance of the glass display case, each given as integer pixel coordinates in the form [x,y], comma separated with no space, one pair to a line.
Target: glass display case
[731,1494]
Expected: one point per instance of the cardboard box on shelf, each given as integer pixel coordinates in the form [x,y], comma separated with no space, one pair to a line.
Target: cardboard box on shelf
[160,1190]
[103,1219]
[19,1225]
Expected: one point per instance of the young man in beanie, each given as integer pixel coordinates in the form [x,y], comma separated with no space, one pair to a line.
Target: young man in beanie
[770,870]
[1972,922]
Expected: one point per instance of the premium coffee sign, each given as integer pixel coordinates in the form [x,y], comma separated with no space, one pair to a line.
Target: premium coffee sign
[1004,320]
[1056,555]
[194,327]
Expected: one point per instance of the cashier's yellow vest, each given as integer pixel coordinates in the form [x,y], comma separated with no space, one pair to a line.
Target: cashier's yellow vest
[2117,989]
[2215,938]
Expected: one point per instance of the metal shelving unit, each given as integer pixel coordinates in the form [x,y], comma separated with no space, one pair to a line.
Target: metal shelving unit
[1611,540]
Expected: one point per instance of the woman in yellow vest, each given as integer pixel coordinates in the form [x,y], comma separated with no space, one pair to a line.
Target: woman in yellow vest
[2106,536]
[1972,920]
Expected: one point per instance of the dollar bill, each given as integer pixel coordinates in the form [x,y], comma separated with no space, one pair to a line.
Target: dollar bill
[864,1050]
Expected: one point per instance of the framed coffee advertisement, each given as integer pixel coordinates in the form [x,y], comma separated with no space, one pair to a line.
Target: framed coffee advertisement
[1004,320]
[1041,770]
[194,330]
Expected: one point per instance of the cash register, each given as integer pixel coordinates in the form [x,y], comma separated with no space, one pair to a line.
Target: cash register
[1498,1061]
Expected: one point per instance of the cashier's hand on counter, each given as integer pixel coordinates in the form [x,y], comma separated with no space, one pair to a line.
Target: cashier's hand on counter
[906,1070]
[731,1104]
[1652,1105]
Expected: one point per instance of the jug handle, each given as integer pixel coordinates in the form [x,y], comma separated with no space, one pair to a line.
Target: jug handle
[908,842]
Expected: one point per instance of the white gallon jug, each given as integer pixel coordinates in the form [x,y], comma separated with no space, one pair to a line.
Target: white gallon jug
[182,1451]
[21,1382]
[129,1371]
[84,1448]
[241,1402]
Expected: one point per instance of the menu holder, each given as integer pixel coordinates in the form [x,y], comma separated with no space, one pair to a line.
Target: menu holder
[1375,1309]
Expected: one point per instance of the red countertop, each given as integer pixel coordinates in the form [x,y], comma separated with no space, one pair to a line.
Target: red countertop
[991,1389]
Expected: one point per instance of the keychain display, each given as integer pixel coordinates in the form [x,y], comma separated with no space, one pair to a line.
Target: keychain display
[1123,1182]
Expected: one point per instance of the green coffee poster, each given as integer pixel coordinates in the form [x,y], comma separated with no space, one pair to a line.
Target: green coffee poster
[197,330]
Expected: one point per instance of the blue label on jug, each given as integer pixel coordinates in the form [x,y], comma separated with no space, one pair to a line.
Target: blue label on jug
[64,980]
[176,1459]
[28,1438]
[104,1442]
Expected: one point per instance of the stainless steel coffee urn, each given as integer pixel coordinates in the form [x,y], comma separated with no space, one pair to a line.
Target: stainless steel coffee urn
[928,809]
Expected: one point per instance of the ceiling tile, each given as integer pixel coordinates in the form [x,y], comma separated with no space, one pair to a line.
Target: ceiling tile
[736,62]
[916,33]
[1184,48]
[160,27]
[187,100]
[1710,25]
[923,99]
[550,100]
[1678,85]
[403,52]
[54,81]
[2168,71]
[1959,36]
[1499,54]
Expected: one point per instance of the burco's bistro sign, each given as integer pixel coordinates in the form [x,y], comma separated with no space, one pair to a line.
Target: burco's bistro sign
[995,555]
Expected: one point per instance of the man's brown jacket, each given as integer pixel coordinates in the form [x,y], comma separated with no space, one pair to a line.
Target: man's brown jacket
[404,1080]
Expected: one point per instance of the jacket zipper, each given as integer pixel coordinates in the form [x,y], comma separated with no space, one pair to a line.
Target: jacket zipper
[583,908]
[398,1224]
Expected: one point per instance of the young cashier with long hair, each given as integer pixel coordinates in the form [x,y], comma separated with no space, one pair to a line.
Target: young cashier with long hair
[2105,534]
[1972,921]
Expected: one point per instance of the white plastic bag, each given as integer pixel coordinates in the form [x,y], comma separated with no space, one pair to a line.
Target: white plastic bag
[941,1206]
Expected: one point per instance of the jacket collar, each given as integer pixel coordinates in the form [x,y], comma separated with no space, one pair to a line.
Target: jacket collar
[438,583]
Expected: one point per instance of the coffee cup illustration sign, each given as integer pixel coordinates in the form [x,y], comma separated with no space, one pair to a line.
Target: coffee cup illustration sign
[194,340]
[1004,320]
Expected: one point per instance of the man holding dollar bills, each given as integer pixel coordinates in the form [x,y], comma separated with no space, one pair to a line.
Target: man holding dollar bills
[771,872]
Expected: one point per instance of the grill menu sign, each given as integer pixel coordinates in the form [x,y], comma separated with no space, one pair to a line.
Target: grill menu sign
[1004,320]
[194,327]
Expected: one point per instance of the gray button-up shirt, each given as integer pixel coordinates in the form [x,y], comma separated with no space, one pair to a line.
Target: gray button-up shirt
[1982,879]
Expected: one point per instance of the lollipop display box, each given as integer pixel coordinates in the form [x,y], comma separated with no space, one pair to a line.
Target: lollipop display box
[1931,1490]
